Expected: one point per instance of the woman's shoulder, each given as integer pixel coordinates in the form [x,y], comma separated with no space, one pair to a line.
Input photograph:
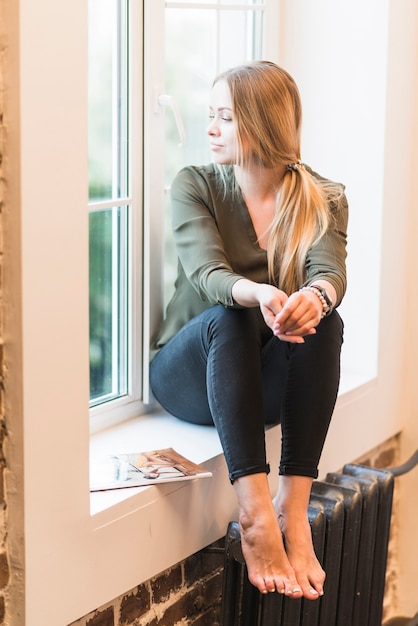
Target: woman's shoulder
[335,190]
[203,179]
[322,179]
[196,172]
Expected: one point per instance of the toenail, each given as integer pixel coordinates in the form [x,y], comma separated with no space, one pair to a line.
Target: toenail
[294,590]
[314,592]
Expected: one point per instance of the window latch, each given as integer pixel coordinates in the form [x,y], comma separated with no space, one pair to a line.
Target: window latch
[170,102]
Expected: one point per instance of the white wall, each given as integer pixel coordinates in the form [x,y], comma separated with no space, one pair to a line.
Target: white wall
[342,78]
[363,56]
[337,53]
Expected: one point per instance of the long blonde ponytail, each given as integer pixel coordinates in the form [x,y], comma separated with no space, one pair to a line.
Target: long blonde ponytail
[301,219]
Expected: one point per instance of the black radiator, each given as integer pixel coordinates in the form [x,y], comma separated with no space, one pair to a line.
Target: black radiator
[350,517]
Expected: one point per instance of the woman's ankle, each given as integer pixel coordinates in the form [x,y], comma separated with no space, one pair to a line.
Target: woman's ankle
[253,493]
[292,496]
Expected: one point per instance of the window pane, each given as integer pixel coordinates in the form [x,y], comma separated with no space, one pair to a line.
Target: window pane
[191,46]
[250,2]
[107,99]
[108,182]
[168,2]
[199,43]
[246,44]
[108,300]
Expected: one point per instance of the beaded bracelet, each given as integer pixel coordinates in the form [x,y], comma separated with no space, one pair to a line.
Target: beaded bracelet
[315,290]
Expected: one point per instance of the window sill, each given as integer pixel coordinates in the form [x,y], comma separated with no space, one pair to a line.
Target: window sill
[160,430]
[148,432]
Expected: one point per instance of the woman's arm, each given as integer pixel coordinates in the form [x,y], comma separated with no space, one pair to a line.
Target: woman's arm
[289,317]
[199,244]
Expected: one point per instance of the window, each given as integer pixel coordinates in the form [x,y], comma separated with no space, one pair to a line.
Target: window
[186,44]
[110,204]
[115,204]
[148,90]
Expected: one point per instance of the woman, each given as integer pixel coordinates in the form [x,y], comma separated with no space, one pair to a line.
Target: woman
[251,335]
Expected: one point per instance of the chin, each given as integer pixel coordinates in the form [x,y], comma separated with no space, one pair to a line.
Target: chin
[222,161]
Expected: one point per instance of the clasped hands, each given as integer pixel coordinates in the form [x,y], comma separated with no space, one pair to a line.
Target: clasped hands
[291,318]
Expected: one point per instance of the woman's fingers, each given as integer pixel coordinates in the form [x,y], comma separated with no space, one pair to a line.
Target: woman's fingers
[298,317]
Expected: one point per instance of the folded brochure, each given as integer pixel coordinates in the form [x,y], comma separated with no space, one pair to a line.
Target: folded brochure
[143,468]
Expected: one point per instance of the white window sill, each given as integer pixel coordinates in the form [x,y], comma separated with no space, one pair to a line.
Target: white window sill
[160,430]
[149,432]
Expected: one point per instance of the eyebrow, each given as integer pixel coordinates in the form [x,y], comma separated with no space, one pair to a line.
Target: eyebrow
[221,109]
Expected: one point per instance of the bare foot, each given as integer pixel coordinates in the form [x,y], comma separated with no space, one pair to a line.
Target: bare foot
[261,538]
[301,554]
[267,563]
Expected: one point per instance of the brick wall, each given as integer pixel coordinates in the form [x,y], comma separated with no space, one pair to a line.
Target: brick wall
[189,593]
[4,566]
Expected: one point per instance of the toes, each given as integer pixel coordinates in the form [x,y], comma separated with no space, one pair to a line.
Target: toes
[261,584]
[282,586]
[267,585]
[311,594]
[270,586]
[311,591]
[294,591]
[315,588]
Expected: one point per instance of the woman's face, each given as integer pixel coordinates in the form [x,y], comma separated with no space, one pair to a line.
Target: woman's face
[222,129]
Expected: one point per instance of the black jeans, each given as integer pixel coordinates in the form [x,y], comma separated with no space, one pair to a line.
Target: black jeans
[225,367]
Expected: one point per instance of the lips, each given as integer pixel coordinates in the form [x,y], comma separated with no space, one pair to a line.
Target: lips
[215,146]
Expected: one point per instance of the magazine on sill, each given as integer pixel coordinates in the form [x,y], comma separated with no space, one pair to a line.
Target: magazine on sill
[143,468]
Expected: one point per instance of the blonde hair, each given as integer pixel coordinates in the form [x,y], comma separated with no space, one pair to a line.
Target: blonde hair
[268,114]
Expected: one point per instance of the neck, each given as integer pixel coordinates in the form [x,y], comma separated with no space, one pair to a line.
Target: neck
[259,182]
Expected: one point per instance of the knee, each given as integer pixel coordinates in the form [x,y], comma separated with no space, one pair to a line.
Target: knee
[234,323]
[332,326]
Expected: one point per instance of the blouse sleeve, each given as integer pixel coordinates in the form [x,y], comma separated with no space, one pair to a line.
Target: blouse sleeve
[326,259]
[199,245]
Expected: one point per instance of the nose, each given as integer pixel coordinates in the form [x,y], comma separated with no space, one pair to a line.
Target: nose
[212,129]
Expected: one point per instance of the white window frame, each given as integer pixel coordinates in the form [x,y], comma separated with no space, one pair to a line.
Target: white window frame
[130,405]
[73,561]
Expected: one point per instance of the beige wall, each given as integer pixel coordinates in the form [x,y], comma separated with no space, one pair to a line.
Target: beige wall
[408,534]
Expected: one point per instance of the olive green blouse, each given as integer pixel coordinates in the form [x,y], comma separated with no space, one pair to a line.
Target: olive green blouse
[217,245]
